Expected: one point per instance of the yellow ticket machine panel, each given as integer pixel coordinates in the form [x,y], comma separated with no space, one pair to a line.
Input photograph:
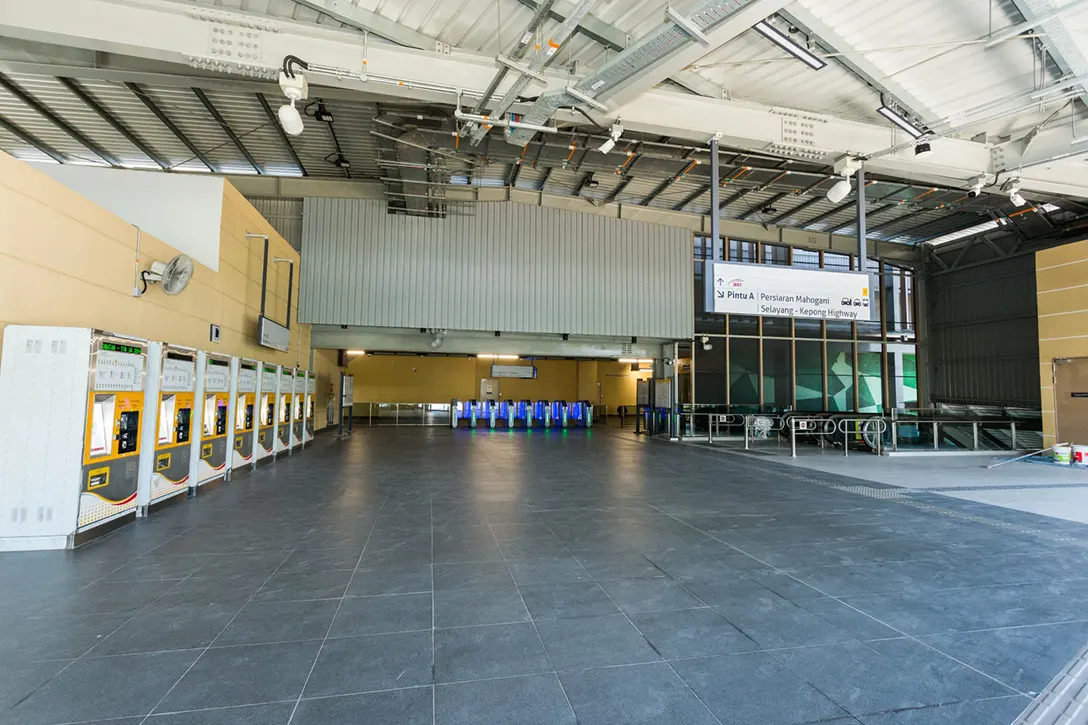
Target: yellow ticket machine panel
[299,408]
[115,404]
[266,411]
[245,414]
[311,390]
[214,437]
[283,411]
[170,472]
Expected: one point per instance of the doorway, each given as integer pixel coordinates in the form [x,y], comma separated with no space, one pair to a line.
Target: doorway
[1071,400]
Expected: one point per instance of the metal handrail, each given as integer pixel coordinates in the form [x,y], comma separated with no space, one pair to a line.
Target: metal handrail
[842,427]
[936,423]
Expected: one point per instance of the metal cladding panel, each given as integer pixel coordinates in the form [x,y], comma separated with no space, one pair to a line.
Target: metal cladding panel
[984,333]
[508,267]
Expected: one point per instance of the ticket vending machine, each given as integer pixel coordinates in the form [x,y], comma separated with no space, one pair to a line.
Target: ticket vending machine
[268,384]
[298,409]
[245,412]
[284,399]
[71,407]
[168,472]
[214,435]
[311,402]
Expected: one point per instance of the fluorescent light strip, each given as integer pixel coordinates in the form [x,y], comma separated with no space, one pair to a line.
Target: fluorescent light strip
[356,352]
[493,356]
[784,42]
[899,121]
[635,361]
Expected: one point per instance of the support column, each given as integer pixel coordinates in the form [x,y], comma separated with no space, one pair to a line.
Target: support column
[715,190]
[863,251]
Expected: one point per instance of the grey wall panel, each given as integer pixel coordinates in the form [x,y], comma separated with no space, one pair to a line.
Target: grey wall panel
[508,267]
[284,214]
[984,333]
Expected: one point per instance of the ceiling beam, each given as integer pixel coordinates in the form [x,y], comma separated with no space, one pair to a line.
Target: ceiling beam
[619,189]
[615,39]
[1057,37]
[210,107]
[765,204]
[57,121]
[170,125]
[272,119]
[360,18]
[112,120]
[857,63]
[513,174]
[691,198]
[33,140]
[741,18]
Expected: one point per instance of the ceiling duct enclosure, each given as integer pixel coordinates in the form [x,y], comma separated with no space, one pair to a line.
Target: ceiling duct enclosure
[673,36]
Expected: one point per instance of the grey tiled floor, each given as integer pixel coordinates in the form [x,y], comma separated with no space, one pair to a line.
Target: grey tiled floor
[421,576]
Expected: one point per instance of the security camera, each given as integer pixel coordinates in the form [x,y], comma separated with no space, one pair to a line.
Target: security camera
[976,187]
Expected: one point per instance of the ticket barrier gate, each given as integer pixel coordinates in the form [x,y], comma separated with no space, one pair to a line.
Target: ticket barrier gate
[581,413]
[473,413]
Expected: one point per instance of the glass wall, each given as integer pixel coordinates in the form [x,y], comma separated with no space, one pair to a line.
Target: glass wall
[780,363]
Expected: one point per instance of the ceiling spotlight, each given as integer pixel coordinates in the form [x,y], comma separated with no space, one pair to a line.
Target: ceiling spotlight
[437,338]
[976,187]
[787,44]
[900,121]
[769,209]
[614,134]
[290,119]
[294,87]
[706,343]
[592,183]
[839,191]
[922,149]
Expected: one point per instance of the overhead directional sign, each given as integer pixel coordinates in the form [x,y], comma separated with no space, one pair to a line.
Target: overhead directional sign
[775,291]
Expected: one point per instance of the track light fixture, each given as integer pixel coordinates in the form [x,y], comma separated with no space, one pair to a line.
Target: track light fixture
[839,191]
[899,120]
[787,44]
[614,134]
[922,149]
[706,343]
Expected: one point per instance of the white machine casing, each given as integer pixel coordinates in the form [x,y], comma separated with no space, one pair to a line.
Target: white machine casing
[46,379]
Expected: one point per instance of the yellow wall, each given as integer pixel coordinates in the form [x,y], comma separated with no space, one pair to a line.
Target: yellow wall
[66,262]
[423,379]
[1061,278]
[327,372]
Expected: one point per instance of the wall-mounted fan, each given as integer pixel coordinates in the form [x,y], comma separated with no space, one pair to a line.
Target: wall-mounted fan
[173,275]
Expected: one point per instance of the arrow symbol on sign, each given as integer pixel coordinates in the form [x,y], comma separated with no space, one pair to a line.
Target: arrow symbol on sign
[721,295]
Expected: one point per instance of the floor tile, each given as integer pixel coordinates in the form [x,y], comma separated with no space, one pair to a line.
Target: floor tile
[367,664]
[618,566]
[691,633]
[479,605]
[96,689]
[20,679]
[154,566]
[393,579]
[306,586]
[410,706]
[470,574]
[594,642]
[218,591]
[243,676]
[563,568]
[962,682]
[167,628]
[574,599]
[473,653]
[529,700]
[307,560]
[273,714]
[639,695]
[963,713]
[55,637]
[382,614]
[755,688]
[266,622]
[846,618]
[776,624]
[863,681]
[649,595]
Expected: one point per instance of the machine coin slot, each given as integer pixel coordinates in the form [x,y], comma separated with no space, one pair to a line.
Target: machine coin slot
[270,414]
[162,462]
[182,433]
[249,417]
[98,478]
[128,425]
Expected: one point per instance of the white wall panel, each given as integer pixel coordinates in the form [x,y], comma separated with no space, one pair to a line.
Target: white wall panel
[509,267]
